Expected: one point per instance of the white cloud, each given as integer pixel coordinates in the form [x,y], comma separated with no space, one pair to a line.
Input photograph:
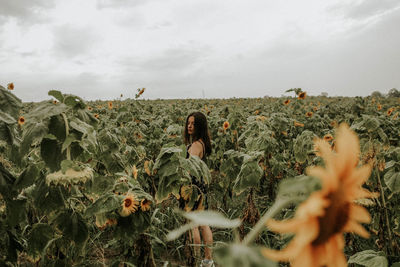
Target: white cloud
[102,48]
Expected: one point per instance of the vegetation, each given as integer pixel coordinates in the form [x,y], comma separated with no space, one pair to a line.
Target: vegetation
[97,183]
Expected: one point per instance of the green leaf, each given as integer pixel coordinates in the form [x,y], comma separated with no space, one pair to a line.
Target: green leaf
[40,235]
[73,227]
[303,146]
[250,173]
[105,203]
[6,118]
[369,258]
[34,132]
[16,211]
[74,101]
[57,95]
[6,133]
[238,255]
[392,180]
[27,177]
[50,150]
[45,110]
[197,218]
[299,187]
[9,103]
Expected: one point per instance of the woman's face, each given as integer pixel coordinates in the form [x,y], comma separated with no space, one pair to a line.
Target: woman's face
[190,126]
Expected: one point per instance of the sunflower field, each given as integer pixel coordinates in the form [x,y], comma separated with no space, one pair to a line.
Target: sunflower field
[292,181]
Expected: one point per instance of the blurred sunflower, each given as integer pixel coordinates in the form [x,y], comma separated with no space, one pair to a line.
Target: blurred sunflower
[321,220]
[96,116]
[287,102]
[395,115]
[328,137]
[309,114]
[379,106]
[226,125]
[10,86]
[298,124]
[145,205]
[146,168]
[302,95]
[334,124]
[110,105]
[134,172]
[55,102]
[141,91]
[21,120]
[129,205]
[389,112]
[90,108]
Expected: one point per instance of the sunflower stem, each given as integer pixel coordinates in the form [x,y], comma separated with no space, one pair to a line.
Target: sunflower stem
[389,248]
[66,135]
[277,207]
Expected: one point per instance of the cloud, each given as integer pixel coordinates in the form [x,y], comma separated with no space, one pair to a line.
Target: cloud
[366,8]
[25,11]
[72,41]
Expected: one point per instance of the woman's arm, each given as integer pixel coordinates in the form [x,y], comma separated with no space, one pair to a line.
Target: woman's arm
[196,149]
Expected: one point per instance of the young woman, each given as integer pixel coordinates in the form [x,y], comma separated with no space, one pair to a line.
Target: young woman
[197,139]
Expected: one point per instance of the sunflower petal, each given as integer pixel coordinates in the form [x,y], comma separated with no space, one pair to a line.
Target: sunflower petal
[359,214]
[354,227]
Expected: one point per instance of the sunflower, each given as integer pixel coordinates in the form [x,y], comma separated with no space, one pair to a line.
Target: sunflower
[389,112]
[146,168]
[226,125]
[90,108]
[21,120]
[256,112]
[302,95]
[309,114]
[141,91]
[145,205]
[328,137]
[55,102]
[395,115]
[320,221]
[129,205]
[96,116]
[287,102]
[298,124]
[110,105]
[134,171]
[379,106]
[10,86]
[334,124]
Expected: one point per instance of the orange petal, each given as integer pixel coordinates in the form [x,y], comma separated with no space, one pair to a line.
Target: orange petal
[287,226]
[359,214]
[328,182]
[347,145]
[354,227]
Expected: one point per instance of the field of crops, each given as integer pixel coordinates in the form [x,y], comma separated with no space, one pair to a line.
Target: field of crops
[97,183]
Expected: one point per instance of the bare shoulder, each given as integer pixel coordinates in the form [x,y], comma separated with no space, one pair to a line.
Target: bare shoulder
[196,149]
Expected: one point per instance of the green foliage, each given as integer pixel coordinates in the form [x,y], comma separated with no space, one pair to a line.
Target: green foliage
[369,258]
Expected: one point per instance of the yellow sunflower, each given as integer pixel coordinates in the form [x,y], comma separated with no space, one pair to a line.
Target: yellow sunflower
[55,102]
[129,205]
[226,125]
[298,124]
[379,106]
[389,112]
[134,171]
[21,120]
[320,221]
[145,205]
[302,95]
[90,108]
[287,102]
[110,105]
[10,86]
[96,116]
[142,91]
[309,114]
[328,137]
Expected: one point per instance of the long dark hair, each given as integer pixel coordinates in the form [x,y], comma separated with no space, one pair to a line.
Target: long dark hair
[200,131]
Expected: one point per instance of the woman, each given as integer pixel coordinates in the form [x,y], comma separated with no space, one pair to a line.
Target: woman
[197,139]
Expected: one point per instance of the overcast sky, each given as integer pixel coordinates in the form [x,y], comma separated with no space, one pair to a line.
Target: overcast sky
[99,49]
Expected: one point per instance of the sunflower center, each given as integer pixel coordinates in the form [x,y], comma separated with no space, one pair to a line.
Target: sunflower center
[335,218]
[128,203]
